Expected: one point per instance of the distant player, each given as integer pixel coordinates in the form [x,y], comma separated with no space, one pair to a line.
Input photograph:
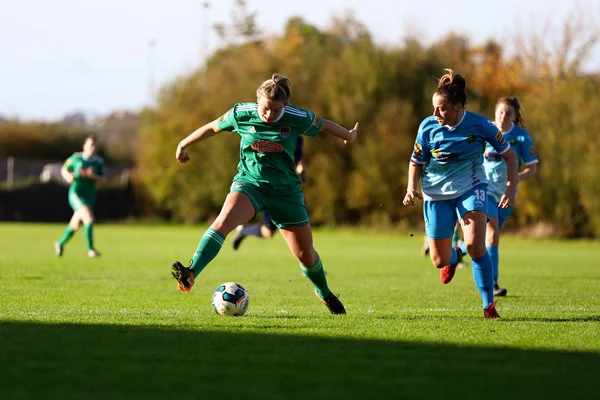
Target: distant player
[509,119]
[82,171]
[266,229]
[266,179]
[448,159]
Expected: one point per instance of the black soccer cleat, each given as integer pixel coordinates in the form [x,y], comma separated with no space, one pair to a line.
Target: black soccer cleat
[184,277]
[500,292]
[332,302]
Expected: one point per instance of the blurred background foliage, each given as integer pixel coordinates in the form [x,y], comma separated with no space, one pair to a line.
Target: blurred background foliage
[342,74]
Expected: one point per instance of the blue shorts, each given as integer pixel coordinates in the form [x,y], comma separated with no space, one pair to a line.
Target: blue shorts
[501,214]
[441,215]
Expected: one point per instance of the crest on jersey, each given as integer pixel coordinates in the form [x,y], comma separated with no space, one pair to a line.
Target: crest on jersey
[285,132]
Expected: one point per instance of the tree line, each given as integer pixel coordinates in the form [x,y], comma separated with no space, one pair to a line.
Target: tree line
[342,74]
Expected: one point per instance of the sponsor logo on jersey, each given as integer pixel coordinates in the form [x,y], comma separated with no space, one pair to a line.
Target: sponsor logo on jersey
[266,146]
[500,139]
[252,130]
[442,157]
[418,150]
[285,132]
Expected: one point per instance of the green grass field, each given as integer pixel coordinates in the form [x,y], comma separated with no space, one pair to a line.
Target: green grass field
[116,327]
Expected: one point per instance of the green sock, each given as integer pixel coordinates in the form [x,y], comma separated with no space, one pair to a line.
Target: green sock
[455,239]
[316,274]
[209,246]
[69,231]
[89,238]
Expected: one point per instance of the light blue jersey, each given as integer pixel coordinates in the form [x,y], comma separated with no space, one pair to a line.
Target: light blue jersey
[495,166]
[453,157]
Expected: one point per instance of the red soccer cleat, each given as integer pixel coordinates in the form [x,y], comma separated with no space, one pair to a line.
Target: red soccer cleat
[447,272]
[490,311]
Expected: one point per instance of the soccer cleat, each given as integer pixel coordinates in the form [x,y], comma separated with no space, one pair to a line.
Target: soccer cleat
[447,272]
[332,302]
[498,291]
[184,277]
[93,254]
[490,311]
[238,237]
[58,250]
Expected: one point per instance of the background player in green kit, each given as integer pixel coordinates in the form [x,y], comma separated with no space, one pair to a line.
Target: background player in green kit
[81,171]
[266,178]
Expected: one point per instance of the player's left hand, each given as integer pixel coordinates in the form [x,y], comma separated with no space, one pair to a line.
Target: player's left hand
[182,155]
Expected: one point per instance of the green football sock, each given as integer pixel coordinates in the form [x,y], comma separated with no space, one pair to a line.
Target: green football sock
[455,239]
[209,246]
[69,231]
[89,237]
[316,274]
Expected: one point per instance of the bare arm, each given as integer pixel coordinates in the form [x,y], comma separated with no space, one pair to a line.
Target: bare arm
[334,129]
[528,172]
[67,175]
[512,166]
[414,175]
[207,131]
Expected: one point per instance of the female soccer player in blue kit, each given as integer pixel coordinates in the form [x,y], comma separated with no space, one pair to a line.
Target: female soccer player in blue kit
[448,159]
[509,119]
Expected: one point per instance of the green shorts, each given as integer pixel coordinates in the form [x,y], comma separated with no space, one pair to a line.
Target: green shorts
[77,200]
[286,208]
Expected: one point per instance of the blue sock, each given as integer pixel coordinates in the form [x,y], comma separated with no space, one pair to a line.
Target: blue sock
[493,252]
[454,258]
[483,275]
[463,247]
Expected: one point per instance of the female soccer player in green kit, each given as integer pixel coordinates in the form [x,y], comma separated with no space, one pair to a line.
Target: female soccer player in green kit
[82,171]
[266,178]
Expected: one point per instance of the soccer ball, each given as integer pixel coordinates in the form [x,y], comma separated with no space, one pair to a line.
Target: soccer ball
[230,299]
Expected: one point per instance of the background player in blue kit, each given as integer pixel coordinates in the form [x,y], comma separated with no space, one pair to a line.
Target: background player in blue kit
[267,228]
[447,158]
[508,118]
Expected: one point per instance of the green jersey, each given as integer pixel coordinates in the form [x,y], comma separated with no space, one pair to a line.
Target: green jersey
[267,149]
[83,185]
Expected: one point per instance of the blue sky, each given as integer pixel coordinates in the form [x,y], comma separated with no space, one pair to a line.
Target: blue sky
[93,55]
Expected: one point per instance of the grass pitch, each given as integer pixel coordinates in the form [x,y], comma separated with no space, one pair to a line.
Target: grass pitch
[116,327]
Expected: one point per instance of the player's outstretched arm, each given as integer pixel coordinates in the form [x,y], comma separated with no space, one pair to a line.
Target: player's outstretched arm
[202,133]
[334,129]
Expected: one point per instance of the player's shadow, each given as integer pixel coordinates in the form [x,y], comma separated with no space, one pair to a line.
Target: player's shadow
[62,361]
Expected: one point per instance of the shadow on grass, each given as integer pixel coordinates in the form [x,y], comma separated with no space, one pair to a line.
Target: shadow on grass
[110,361]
